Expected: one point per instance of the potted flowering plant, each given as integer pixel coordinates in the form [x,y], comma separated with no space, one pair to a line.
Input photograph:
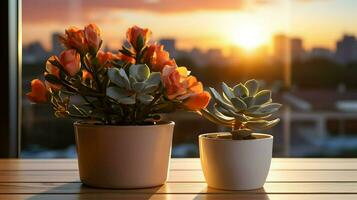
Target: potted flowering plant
[118,98]
[240,159]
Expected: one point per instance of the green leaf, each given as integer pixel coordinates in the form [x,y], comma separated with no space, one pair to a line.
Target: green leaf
[145,98]
[252,86]
[249,101]
[121,95]
[227,91]
[140,72]
[220,101]
[262,97]
[119,77]
[150,89]
[269,108]
[238,104]
[138,87]
[238,116]
[240,91]
[261,124]
[215,119]
[154,78]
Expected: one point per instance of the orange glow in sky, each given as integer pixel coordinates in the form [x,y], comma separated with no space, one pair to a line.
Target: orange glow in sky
[199,23]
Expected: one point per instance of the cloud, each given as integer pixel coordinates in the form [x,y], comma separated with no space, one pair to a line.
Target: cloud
[60,10]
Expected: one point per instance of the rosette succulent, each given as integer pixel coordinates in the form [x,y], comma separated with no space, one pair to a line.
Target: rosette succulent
[244,108]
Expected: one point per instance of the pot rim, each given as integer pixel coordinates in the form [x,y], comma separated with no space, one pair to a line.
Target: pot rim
[204,137]
[88,124]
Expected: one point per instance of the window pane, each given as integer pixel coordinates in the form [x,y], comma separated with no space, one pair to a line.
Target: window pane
[305,51]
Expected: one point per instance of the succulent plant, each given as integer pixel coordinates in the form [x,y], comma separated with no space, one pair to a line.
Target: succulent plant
[244,108]
[138,84]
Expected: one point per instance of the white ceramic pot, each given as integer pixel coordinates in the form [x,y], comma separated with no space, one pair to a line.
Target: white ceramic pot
[235,164]
[123,156]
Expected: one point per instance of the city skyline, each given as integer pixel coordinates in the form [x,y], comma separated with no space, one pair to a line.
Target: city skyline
[284,49]
[203,23]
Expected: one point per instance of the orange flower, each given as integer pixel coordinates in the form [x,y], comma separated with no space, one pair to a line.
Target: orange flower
[136,34]
[198,101]
[39,93]
[54,70]
[92,36]
[104,58]
[172,78]
[157,57]
[74,39]
[70,61]
[86,75]
[181,86]
[126,58]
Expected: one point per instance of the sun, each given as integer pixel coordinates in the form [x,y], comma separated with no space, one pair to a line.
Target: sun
[248,37]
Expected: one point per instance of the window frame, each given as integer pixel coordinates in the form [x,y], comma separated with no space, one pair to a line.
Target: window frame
[10,104]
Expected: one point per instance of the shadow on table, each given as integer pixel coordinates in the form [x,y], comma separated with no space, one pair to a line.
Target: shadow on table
[213,194]
[79,191]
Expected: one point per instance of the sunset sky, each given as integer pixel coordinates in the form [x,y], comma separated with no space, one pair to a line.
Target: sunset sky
[197,23]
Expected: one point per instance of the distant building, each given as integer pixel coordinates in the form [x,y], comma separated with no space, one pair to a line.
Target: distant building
[197,56]
[214,56]
[297,49]
[57,47]
[346,49]
[319,52]
[170,46]
[281,48]
[34,53]
[282,56]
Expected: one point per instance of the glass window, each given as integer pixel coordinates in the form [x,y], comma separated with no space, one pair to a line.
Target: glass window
[305,51]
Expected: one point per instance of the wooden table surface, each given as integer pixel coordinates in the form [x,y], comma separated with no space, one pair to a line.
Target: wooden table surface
[289,179]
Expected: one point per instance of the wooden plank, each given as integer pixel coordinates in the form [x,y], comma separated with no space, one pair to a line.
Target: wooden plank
[182,176]
[179,188]
[187,163]
[181,196]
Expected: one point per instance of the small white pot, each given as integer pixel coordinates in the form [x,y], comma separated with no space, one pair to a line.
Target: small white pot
[235,164]
[123,156]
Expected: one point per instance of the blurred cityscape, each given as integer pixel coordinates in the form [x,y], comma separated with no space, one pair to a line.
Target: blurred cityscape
[318,87]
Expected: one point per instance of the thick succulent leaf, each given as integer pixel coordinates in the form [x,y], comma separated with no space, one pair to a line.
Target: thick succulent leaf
[262,97]
[154,78]
[219,100]
[145,98]
[238,116]
[223,111]
[149,89]
[238,104]
[252,109]
[240,91]
[269,108]
[261,124]
[252,86]
[138,87]
[227,91]
[140,72]
[249,101]
[121,95]
[119,77]
[213,109]
[215,119]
